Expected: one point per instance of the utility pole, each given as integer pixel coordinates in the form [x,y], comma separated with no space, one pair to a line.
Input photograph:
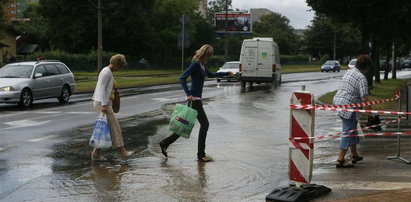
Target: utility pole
[225,33]
[99,37]
[182,43]
[335,43]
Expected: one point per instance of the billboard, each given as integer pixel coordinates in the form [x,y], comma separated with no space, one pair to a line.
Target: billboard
[238,23]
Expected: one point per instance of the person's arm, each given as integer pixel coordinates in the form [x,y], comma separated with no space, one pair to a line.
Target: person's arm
[184,76]
[217,74]
[364,91]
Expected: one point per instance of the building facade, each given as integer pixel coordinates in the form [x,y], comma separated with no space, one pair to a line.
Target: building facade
[14,9]
[258,12]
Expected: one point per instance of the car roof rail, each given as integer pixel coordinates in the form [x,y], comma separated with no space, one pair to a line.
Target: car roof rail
[47,61]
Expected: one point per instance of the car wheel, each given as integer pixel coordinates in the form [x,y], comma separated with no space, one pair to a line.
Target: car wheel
[218,80]
[26,98]
[322,70]
[65,95]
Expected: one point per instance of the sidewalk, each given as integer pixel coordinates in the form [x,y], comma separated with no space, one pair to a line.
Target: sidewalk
[402,195]
[376,178]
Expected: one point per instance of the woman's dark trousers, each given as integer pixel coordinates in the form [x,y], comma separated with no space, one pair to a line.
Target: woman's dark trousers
[202,118]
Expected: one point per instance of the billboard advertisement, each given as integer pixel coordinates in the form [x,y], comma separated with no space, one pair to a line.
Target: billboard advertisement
[238,23]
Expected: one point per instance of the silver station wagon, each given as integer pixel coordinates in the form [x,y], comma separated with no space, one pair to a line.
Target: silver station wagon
[27,81]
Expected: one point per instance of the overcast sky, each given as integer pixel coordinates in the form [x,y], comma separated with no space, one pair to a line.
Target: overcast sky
[297,11]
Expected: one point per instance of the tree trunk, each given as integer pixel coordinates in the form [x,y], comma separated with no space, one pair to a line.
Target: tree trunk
[388,58]
[376,61]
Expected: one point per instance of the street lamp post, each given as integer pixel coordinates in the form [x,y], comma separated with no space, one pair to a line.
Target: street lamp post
[225,33]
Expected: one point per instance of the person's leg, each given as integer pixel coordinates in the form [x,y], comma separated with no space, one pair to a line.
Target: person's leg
[204,124]
[167,142]
[345,142]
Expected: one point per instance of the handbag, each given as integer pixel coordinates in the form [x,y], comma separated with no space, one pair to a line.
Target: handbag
[183,119]
[100,139]
[116,101]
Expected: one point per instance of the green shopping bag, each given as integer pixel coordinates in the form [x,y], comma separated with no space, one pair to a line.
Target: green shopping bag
[182,120]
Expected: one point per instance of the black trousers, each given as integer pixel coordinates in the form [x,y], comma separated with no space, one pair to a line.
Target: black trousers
[202,118]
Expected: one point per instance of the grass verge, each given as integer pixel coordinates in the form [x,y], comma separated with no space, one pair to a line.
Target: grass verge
[379,91]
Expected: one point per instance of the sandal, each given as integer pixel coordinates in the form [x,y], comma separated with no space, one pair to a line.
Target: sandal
[342,164]
[205,159]
[355,159]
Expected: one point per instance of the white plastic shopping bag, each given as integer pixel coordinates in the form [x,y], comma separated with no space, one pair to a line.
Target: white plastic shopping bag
[100,139]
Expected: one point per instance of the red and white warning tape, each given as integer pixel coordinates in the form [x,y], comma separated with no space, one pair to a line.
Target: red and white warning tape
[339,134]
[348,110]
[363,104]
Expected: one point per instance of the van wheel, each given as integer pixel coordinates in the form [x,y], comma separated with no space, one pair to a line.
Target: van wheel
[65,95]
[279,81]
[26,98]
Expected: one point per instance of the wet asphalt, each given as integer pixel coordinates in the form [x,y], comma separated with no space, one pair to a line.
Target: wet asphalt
[247,139]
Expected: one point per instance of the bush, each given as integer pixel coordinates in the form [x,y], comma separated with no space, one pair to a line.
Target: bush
[324,58]
[83,62]
[294,59]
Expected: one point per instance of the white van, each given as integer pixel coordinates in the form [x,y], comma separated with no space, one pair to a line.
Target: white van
[260,61]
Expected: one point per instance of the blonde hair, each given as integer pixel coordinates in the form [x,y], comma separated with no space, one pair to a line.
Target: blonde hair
[205,51]
[118,60]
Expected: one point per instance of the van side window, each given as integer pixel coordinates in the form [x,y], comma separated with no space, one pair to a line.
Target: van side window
[62,69]
[51,70]
[40,69]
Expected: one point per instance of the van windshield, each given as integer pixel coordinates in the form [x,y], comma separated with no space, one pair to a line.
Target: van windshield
[16,71]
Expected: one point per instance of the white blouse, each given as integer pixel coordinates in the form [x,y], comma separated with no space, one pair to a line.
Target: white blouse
[104,86]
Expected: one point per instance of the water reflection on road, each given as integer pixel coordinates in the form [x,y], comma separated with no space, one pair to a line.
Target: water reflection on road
[247,138]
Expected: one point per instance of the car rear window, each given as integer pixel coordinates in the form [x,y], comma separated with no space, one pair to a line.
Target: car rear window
[51,70]
[62,69]
[230,65]
[16,71]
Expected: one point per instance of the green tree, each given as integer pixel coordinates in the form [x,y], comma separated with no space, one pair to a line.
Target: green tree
[144,28]
[217,6]
[277,26]
[2,18]
[36,28]
[319,38]
[380,22]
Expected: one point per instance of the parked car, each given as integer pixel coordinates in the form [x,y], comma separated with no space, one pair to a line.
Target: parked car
[397,65]
[384,65]
[27,81]
[232,66]
[406,64]
[331,65]
[352,64]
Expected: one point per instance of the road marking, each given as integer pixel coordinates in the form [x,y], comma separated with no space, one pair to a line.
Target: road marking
[80,112]
[25,123]
[47,112]
[167,98]
[2,149]
[42,138]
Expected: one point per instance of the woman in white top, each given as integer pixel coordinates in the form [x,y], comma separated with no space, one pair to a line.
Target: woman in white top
[102,103]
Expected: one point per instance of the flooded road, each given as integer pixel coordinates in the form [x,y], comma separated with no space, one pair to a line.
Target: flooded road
[247,139]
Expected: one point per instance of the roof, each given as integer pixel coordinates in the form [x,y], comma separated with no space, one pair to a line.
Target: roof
[26,49]
[2,45]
